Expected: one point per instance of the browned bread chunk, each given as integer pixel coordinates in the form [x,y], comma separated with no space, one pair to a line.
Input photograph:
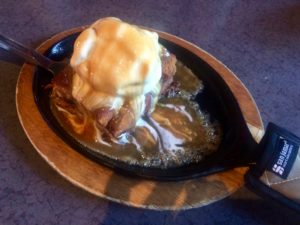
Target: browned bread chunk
[122,122]
[104,115]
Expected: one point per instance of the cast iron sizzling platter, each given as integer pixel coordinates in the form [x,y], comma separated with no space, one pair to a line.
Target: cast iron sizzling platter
[216,99]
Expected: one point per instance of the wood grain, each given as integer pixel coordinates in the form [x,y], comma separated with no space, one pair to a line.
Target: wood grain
[102,181]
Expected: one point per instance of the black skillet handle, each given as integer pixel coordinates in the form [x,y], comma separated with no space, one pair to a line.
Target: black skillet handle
[276,174]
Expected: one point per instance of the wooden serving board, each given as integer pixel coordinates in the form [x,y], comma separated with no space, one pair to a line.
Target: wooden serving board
[102,181]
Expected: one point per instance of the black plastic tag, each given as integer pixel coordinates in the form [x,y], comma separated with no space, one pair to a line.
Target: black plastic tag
[279,149]
[284,157]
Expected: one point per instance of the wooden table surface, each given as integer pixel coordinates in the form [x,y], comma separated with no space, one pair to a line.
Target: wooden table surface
[258,41]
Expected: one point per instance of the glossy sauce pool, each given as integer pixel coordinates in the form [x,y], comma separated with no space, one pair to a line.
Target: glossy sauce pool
[175,134]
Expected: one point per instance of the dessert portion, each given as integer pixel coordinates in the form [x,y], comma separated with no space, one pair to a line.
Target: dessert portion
[118,72]
[126,97]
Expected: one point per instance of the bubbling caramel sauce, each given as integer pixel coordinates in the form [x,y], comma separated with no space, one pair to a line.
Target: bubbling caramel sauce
[176,133]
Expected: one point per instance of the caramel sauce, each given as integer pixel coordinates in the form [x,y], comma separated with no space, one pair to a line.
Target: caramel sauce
[176,132]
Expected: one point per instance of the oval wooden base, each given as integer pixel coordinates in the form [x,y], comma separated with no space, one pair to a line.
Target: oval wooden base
[104,182]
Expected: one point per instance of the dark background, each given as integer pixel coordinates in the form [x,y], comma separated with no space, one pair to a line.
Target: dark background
[258,40]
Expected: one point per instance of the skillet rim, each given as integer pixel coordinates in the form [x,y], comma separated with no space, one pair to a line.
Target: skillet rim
[178,173]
